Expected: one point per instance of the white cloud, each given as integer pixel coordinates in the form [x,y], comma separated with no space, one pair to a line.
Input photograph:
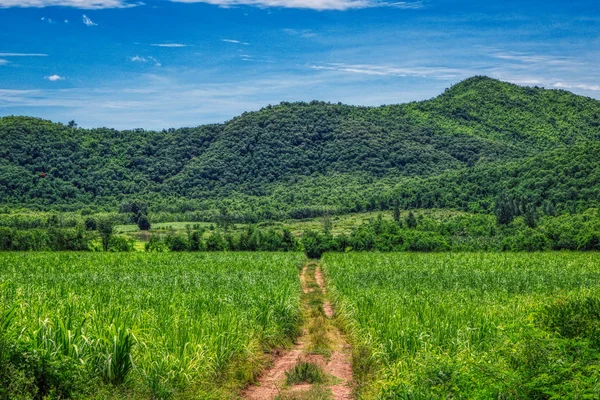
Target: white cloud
[23,55]
[174,45]
[386,70]
[54,78]
[146,60]
[235,42]
[82,4]
[66,21]
[582,86]
[310,4]
[87,21]
[303,4]
[3,62]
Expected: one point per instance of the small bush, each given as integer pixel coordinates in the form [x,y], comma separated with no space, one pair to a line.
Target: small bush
[527,239]
[426,241]
[315,244]
[156,245]
[121,244]
[176,243]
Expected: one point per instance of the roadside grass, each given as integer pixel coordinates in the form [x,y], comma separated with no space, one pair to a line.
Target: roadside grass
[305,372]
[318,328]
[314,393]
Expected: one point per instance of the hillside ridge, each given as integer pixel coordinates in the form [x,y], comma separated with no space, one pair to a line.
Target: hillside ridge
[249,159]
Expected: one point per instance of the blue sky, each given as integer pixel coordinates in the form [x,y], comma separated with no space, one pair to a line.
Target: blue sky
[162,63]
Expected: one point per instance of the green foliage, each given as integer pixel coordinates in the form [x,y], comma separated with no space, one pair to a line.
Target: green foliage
[90,224]
[121,243]
[315,244]
[250,239]
[470,325]
[54,239]
[155,244]
[574,316]
[460,150]
[104,325]
[105,228]
[143,223]
[411,221]
[115,354]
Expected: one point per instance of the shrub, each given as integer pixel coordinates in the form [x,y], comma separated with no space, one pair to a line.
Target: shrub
[315,244]
[527,239]
[426,241]
[176,243]
[215,242]
[143,223]
[121,243]
[155,244]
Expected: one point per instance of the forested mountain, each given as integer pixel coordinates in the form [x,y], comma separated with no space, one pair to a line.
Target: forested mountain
[460,150]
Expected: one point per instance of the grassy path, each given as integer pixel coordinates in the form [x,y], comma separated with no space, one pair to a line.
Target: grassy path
[319,366]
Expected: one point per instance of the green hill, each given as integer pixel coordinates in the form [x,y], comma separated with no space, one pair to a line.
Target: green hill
[458,150]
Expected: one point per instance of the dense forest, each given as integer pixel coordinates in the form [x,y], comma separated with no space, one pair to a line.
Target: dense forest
[479,140]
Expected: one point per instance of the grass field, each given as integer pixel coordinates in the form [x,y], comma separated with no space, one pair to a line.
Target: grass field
[471,326]
[340,224]
[197,325]
[101,325]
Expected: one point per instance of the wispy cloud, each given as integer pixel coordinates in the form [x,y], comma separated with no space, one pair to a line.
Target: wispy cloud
[87,21]
[174,45]
[533,58]
[310,4]
[23,55]
[82,4]
[302,4]
[387,70]
[406,5]
[306,33]
[235,41]
[3,62]
[154,101]
[147,59]
[54,78]
[582,86]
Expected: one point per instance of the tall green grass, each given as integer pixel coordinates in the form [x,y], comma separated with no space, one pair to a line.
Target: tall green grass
[147,325]
[489,326]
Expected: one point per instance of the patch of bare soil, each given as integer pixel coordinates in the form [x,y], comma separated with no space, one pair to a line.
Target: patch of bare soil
[320,280]
[270,383]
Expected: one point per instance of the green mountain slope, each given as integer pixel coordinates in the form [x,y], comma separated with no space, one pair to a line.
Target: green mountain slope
[284,160]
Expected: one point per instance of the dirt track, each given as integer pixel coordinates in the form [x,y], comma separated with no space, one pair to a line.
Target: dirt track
[333,354]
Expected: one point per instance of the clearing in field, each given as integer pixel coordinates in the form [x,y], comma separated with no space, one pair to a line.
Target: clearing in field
[476,325]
